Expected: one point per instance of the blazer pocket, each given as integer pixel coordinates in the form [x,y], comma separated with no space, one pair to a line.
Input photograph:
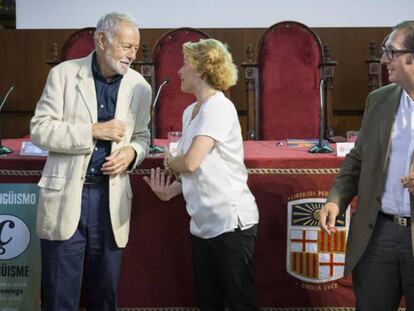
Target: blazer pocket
[52,182]
[51,189]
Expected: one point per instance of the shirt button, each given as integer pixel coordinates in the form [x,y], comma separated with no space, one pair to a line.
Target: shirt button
[92,169]
[101,106]
[96,148]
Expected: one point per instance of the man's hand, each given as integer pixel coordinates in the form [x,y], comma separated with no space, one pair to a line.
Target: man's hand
[408,182]
[118,161]
[162,186]
[327,217]
[113,130]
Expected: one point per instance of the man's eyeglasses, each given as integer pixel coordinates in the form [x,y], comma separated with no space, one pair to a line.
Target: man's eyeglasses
[393,54]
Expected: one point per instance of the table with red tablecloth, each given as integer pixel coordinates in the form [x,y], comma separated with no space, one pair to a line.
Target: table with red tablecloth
[157,270]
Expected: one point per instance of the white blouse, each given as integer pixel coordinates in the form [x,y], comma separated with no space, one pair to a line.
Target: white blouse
[218,198]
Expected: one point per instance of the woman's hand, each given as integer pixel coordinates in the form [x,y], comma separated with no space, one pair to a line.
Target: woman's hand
[162,186]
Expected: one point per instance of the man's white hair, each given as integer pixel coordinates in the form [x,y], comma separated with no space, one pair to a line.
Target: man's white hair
[109,23]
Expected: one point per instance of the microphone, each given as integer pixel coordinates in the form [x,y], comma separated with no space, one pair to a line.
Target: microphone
[154,148]
[6,96]
[321,147]
[3,149]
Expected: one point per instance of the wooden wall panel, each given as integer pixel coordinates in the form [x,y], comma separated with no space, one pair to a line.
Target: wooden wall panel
[22,63]
[24,52]
[15,124]
[350,48]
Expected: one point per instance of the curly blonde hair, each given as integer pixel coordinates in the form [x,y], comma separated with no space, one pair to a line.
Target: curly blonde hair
[213,61]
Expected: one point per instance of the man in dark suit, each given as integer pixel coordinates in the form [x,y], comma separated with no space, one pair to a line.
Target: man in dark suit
[380,170]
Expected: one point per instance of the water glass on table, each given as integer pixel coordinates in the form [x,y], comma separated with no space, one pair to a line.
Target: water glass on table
[351,136]
[173,139]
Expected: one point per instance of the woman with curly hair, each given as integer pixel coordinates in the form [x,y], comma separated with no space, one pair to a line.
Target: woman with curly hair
[213,179]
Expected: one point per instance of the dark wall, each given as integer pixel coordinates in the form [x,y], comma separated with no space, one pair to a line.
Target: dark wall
[23,54]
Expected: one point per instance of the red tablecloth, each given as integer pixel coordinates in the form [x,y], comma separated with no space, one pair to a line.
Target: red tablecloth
[157,270]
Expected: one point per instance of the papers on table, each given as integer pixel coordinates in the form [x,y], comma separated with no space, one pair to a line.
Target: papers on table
[342,149]
[304,142]
[28,149]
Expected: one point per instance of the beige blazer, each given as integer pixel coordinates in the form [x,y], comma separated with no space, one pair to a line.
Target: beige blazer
[364,170]
[62,124]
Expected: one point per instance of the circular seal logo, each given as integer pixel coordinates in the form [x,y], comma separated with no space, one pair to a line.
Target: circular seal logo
[14,237]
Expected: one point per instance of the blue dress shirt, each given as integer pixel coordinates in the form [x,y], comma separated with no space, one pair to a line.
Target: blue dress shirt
[106,96]
[395,198]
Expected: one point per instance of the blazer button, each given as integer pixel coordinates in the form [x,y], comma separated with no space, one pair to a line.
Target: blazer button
[371,226]
[378,199]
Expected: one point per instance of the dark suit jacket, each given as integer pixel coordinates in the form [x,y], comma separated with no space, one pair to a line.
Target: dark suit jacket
[364,170]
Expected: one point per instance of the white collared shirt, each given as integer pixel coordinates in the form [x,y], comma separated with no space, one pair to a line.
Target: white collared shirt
[217,196]
[395,198]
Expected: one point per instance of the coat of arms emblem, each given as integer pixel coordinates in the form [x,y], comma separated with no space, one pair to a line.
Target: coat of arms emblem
[312,255]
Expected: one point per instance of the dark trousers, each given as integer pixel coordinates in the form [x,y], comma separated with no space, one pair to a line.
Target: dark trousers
[386,270]
[223,271]
[91,254]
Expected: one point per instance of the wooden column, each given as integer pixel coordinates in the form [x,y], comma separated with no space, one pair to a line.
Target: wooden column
[251,74]
[328,73]
[147,69]
[374,68]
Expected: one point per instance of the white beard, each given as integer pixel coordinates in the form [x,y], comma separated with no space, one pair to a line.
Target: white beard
[116,65]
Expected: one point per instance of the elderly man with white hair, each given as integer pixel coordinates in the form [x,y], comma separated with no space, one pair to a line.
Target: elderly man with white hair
[92,118]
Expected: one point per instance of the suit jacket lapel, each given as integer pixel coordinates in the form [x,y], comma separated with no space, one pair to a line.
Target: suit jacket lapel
[124,99]
[86,87]
[388,113]
[122,104]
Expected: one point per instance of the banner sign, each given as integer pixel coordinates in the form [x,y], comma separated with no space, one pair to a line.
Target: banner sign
[19,248]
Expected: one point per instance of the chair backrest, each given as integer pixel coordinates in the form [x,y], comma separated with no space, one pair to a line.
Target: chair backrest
[79,44]
[168,59]
[289,58]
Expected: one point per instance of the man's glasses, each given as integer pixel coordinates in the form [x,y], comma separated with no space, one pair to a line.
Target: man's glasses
[393,54]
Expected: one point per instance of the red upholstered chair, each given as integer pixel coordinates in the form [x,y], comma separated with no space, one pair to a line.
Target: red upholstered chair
[283,86]
[167,60]
[79,44]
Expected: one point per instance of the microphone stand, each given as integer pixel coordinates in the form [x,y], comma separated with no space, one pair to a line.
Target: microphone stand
[4,149]
[321,147]
[154,149]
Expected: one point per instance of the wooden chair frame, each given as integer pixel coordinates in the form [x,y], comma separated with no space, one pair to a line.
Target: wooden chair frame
[251,73]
